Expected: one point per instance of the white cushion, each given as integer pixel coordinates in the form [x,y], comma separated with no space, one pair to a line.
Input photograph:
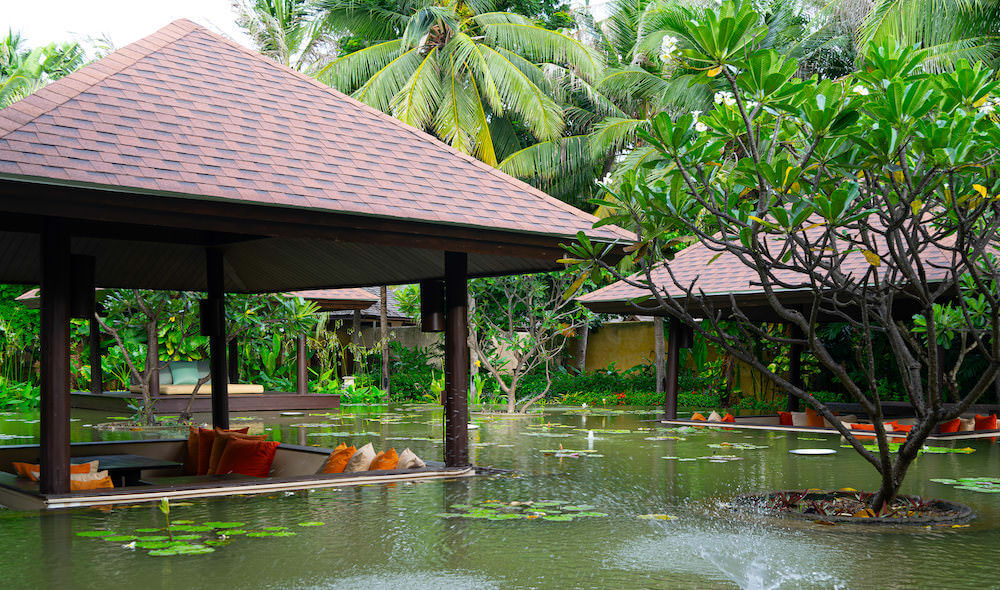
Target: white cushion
[361,460]
[714,417]
[800,419]
[409,460]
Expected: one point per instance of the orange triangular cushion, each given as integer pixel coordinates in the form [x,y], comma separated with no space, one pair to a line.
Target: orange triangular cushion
[338,459]
[385,460]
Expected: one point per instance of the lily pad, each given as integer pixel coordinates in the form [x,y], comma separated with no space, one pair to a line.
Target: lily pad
[656,517]
[150,530]
[119,538]
[274,528]
[312,523]
[95,533]
[192,528]
[224,525]
[271,534]
[558,517]
[738,446]
[591,514]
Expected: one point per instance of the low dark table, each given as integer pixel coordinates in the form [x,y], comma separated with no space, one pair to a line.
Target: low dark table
[126,470]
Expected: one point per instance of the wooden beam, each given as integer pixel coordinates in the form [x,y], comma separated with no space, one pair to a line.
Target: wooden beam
[55,401]
[673,369]
[217,338]
[456,360]
[96,372]
[301,366]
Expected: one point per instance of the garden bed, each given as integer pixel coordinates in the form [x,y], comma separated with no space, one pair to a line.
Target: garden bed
[851,506]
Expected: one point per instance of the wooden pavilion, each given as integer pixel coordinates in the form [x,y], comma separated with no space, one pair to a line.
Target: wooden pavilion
[187,162]
[724,283]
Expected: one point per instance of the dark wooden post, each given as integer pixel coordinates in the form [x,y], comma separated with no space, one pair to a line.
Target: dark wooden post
[357,341]
[794,367]
[96,372]
[217,338]
[456,360]
[301,365]
[234,360]
[55,313]
[383,324]
[672,370]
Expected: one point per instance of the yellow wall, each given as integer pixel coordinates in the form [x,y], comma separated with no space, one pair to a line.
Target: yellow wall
[627,344]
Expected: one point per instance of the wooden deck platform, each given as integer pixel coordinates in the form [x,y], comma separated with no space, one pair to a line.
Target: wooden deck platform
[764,423]
[294,469]
[118,402]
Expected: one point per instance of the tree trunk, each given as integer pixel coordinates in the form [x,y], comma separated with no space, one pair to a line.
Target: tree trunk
[383,322]
[356,340]
[659,351]
[580,350]
[473,353]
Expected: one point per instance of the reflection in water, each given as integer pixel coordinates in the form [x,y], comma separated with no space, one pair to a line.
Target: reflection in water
[392,537]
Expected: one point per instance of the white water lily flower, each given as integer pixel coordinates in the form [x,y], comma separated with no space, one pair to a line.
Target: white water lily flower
[860,90]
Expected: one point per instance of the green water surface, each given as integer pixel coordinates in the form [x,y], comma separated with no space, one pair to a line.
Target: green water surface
[393,536]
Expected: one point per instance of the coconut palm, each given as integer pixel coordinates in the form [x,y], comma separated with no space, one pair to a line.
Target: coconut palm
[24,70]
[284,31]
[473,77]
[950,30]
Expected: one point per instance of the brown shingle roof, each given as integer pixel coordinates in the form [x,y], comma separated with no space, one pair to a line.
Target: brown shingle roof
[726,275]
[187,113]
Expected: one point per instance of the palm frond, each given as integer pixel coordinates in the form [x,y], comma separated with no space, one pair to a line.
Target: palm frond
[540,113]
[417,102]
[361,18]
[385,83]
[456,118]
[542,45]
[349,72]
[615,133]
[549,159]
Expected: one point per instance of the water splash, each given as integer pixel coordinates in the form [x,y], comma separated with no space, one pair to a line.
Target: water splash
[749,554]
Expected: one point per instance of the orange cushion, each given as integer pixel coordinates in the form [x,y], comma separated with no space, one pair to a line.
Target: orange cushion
[222,439]
[813,419]
[90,481]
[951,425]
[897,427]
[385,460]
[784,418]
[728,418]
[698,416]
[338,459]
[867,427]
[206,438]
[31,470]
[247,457]
[986,422]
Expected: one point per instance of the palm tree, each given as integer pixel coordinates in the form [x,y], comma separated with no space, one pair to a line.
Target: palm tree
[285,31]
[24,70]
[949,30]
[472,77]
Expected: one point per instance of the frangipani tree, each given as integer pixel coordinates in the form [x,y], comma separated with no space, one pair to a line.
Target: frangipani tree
[873,197]
[469,76]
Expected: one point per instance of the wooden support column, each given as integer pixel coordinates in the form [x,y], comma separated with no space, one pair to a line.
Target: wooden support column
[383,323]
[794,367]
[672,369]
[55,314]
[456,360]
[96,372]
[301,366]
[217,338]
[233,357]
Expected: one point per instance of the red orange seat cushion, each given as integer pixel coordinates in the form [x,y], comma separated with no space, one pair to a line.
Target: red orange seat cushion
[986,422]
[338,459]
[206,438]
[813,419]
[784,418]
[729,418]
[951,426]
[698,416]
[222,439]
[385,460]
[31,470]
[247,457]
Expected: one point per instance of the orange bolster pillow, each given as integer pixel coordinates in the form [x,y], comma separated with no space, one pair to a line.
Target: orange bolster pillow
[338,458]
[813,419]
[784,418]
[247,457]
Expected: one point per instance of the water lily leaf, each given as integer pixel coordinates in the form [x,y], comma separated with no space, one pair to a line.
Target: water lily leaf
[656,517]
[217,542]
[579,507]
[153,544]
[231,532]
[119,538]
[593,514]
[150,530]
[274,528]
[272,534]
[312,523]
[95,533]
[183,521]
[154,538]
[224,525]
[192,528]
[944,480]
[558,517]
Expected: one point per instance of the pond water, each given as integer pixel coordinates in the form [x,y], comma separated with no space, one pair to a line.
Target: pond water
[393,536]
